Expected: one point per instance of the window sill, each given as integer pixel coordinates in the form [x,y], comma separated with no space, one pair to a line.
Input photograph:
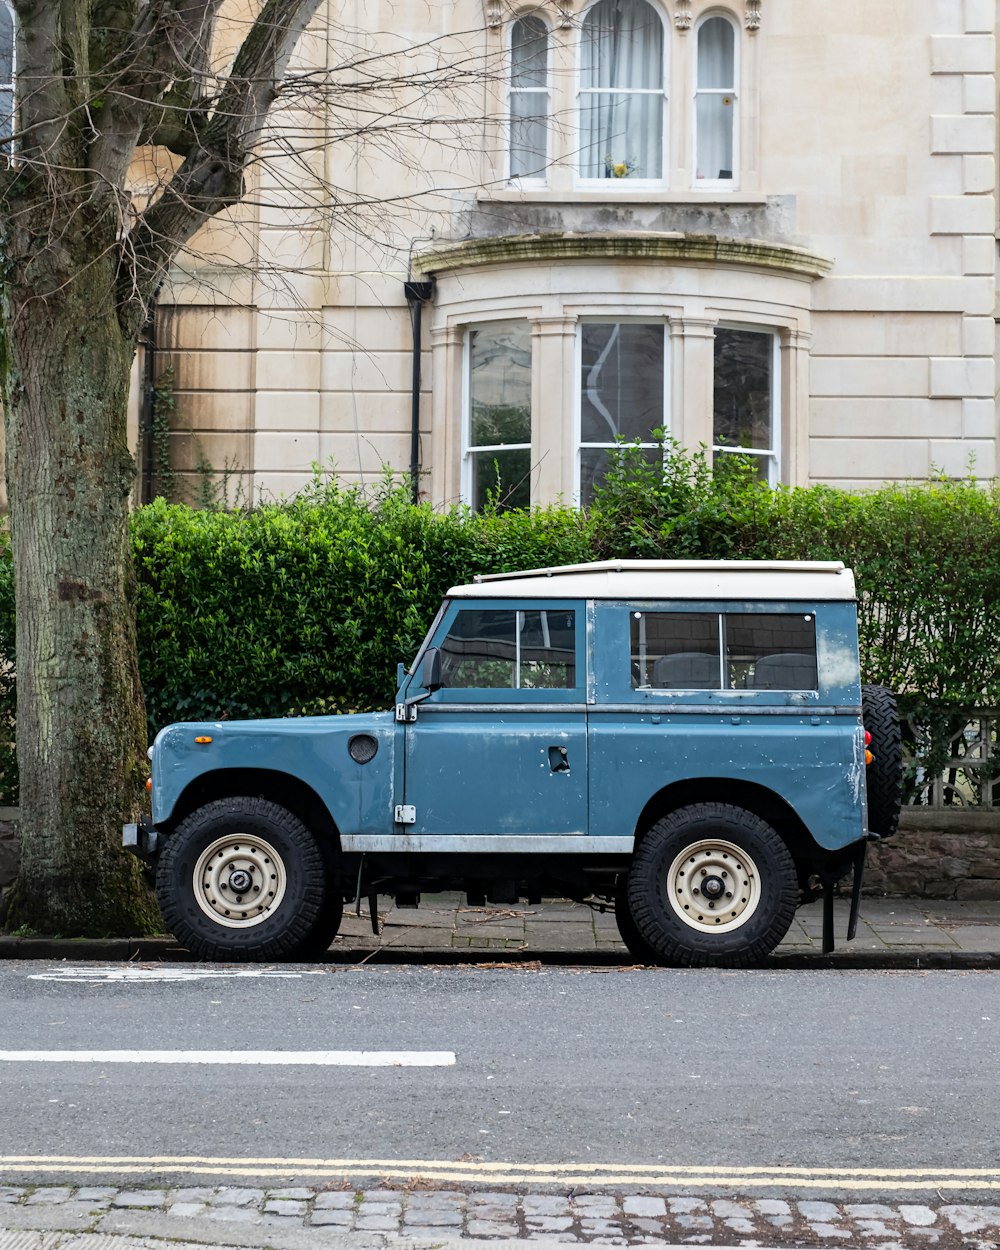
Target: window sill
[509,195]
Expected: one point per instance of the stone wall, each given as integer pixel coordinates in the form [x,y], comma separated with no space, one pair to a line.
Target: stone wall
[8,846]
[934,855]
[939,855]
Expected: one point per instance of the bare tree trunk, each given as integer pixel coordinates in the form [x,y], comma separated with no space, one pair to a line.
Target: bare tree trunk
[81,729]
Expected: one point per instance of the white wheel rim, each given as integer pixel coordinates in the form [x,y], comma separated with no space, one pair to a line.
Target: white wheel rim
[238,880]
[713,886]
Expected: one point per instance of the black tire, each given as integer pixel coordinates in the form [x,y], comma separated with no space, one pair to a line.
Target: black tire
[315,946]
[720,845]
[637,945]
[276,855]
[884,775]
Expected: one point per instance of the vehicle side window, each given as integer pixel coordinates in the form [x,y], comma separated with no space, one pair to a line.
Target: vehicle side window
[770,651]
[676,650]
[503,648]
[730,650]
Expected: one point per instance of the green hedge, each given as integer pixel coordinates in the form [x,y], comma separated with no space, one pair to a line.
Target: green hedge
[926,557]
[308,605]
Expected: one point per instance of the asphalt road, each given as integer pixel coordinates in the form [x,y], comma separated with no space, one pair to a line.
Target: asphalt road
[654,1072]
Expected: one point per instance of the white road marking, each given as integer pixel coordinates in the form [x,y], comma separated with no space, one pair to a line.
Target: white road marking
[131,974]
[321,1058]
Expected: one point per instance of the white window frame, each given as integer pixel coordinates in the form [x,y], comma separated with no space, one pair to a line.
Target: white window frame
[772,454]
[716,184]
[519,180]
[469,452]
[622,185]
[612,318]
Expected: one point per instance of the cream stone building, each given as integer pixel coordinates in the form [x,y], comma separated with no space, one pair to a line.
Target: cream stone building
[767,226]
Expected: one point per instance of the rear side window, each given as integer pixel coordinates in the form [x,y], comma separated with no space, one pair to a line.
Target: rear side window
[723,651]
[503,648]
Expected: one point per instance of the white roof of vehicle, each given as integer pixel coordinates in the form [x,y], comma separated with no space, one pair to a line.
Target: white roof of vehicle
[807,580]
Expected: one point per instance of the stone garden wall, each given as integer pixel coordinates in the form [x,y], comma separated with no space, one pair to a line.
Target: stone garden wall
[939,854]
[8,846]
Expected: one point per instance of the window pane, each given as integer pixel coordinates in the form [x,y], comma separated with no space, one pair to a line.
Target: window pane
[529,45]
[480,649]
[6,48]
[502,478]
[500,384]
[676,651]
[595,462]
[621,381]
[716,54]
[6,118]
[528,137]
[548,650]
[621,45]
[768,651]
[742,403]
[620,136]
[715,115]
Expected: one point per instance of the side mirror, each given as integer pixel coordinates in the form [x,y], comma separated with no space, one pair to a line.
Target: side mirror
[431,673]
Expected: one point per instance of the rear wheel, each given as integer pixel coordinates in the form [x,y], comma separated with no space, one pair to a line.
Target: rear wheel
[637,945]
[712,884]
[241,878]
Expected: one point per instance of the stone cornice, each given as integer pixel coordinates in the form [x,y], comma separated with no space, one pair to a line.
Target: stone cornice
[665,248]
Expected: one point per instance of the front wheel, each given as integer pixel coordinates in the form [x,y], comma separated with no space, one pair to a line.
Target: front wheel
[712,884]
[242,879]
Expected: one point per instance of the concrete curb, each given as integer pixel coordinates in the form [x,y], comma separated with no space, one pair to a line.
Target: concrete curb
[167,950]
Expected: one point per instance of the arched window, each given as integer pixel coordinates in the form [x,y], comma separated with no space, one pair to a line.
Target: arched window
[6,76]
[622,96]
[715,102]
[529,98]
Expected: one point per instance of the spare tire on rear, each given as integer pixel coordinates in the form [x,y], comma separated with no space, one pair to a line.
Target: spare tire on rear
[884,775]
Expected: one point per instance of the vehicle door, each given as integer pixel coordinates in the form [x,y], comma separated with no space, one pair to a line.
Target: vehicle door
[501,747]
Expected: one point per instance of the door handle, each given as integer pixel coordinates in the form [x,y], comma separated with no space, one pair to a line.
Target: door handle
[558,759]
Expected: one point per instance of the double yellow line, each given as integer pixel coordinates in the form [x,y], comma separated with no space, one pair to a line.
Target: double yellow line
[572,1175]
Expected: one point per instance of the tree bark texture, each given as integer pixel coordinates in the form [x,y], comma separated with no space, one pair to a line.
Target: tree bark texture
[81,730]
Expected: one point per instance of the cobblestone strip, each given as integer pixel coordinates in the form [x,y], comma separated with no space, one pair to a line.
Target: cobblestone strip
[447,1214]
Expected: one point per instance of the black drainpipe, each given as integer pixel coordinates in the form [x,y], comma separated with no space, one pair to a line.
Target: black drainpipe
[148,400]
[417,294]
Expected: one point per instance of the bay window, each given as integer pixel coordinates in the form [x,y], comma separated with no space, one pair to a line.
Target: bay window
[498,415]
[745,398]
[623,393]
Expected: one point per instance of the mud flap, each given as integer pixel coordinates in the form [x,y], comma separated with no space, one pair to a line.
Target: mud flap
[829,945]
[859,876]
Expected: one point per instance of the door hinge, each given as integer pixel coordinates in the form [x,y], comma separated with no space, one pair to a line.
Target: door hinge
[406,713]
[406,814]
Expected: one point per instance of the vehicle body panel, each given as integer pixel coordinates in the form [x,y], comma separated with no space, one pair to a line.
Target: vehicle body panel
[312,749]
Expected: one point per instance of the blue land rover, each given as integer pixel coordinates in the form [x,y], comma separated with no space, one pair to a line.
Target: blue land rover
[684,741]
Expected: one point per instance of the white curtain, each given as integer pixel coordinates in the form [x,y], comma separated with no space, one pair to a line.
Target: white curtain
[715,106]
[621,129]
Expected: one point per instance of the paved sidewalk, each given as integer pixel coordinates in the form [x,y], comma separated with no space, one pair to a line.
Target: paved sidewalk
[302,1218]
[444,929]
